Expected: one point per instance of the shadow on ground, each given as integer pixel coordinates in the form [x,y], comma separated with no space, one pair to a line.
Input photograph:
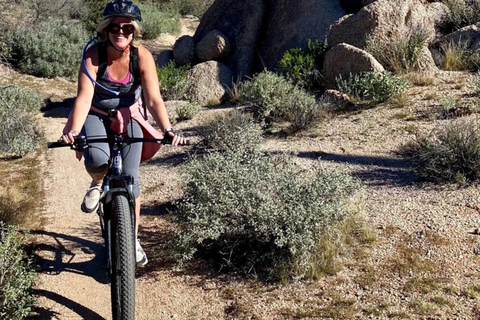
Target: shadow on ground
[44,314]
[53,257]
[58,109]
[375,171]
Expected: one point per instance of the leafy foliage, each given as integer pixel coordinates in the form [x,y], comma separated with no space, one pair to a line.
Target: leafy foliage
[50,49]
[463,13]
[173,81]
[187,110]
[187,7]
[451,153]
[255,212]
[233,131]
[301,66]
[90,13]
[16,276]
[373,87]
[271,97]
[19,133]
[155,22]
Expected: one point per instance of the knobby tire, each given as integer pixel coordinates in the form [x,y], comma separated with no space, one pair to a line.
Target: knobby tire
[123,260]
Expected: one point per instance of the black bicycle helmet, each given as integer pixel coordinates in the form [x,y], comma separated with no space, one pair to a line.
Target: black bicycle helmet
[122,8]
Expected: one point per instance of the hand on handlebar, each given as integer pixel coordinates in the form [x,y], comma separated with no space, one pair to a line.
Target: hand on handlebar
[175,138]
[69,137]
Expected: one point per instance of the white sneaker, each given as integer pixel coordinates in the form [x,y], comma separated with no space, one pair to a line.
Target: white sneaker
[92,198]
[140,255]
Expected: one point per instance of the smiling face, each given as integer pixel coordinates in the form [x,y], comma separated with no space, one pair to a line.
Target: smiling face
[119,37]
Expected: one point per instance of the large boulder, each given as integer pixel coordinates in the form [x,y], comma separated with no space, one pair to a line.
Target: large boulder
[184,50]
[343,60]
[240,22]
[209,81]
[290,24]
[467,37]
[164,57]
[214,46]
[439,14]
[382,20]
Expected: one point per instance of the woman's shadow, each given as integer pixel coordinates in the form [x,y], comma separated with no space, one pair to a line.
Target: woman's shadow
[56,258]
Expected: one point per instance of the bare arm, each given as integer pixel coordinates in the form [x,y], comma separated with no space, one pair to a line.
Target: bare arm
[84,97]
[151,90]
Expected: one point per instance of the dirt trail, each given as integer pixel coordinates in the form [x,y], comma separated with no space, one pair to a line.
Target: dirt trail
[72,282]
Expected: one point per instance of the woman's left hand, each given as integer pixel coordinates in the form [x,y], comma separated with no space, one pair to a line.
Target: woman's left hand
[174,137]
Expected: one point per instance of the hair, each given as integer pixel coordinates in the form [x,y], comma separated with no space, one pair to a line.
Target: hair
[102,30]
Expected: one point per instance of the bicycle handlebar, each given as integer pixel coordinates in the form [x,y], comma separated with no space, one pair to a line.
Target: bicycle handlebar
[83,141]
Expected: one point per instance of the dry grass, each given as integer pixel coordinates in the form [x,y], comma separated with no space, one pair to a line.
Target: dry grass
[21,193]
[420,78]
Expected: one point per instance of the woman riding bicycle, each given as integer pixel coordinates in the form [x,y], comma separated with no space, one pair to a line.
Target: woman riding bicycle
[114,75]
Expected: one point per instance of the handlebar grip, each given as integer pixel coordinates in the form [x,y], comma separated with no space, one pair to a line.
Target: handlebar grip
[57,144]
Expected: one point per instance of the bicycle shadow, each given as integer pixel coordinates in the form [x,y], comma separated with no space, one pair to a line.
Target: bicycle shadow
[44,314]
[57,258]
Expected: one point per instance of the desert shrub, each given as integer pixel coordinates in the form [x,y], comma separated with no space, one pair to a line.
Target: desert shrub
[373,87]
[401,54]
[173,81]
[458,57]
[89,12]
[19,132]
[271,97]
[17,277]
[301,66]
[258,213]
[463,13]
[187,110]
[450,153]
[46,9]
[187,7]
[234,130]
[155,22]
[50,49]
[22,194]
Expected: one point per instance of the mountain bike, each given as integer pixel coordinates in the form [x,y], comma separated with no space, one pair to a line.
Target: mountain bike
[117,222]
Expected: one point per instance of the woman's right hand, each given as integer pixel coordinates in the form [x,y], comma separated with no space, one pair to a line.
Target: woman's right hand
[69,136]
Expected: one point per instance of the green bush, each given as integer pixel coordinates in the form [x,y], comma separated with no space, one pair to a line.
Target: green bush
[50,49]
[373,87]
[187,7]
[19,132]
[301,66]
[187,110]
[400,55]
[155,22]
[173,81]
[16,276]
[257,213]
[89,12]
[230,131]
[271,97]
[450,153]
[463,13]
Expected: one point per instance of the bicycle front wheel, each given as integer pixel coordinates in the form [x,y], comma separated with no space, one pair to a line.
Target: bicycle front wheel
[123,260]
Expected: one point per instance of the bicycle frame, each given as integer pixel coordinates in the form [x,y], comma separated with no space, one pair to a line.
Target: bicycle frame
[115,225]
[115,182]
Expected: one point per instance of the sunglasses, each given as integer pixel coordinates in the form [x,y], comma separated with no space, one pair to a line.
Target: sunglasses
[127,29]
